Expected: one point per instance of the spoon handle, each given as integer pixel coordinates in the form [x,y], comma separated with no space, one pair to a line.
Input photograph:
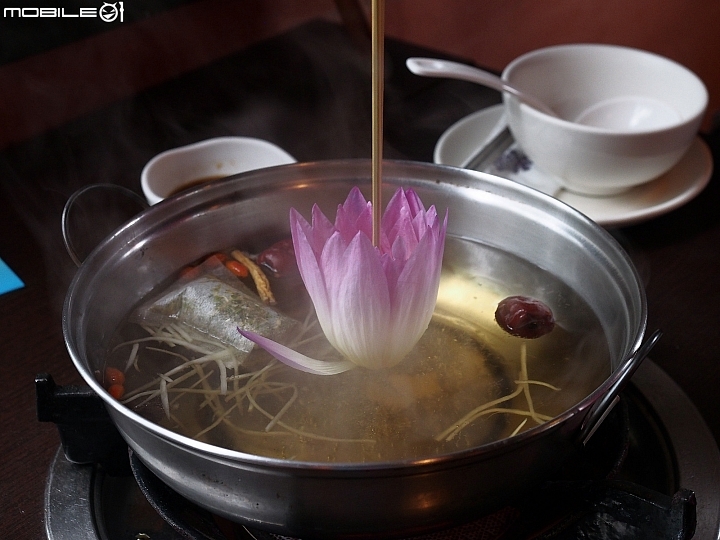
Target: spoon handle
[433,67]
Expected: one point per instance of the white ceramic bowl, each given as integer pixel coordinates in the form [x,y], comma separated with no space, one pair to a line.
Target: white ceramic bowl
[626,115]
[179,168]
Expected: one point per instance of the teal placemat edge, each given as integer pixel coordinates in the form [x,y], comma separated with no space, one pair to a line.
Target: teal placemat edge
[9,281]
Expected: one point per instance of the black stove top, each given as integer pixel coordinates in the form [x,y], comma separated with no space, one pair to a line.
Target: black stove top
[651,471]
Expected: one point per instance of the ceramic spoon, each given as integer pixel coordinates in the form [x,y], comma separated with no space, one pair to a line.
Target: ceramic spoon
[432,67]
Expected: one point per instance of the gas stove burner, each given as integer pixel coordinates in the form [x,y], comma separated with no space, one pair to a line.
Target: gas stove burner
[652,445]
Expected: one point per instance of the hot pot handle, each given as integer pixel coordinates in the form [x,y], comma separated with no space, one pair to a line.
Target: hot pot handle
[87,433]
[109,213]
[604,405]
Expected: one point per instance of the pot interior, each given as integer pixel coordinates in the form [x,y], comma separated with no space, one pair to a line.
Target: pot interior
[250,209]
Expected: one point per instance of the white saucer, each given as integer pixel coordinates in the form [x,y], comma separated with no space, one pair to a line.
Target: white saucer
[668,192]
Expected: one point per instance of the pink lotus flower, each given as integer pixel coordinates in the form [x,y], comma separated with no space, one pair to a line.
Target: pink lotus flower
[373,303]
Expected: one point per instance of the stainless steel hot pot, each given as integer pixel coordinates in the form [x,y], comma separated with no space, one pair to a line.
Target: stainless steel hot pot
[377,499]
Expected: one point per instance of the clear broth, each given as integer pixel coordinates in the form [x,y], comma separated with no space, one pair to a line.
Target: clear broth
[463,361]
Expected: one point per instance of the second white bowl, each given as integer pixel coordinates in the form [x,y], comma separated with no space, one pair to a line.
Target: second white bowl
[626,115]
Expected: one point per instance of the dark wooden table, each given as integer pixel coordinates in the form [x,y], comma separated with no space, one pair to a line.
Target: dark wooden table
[309,92]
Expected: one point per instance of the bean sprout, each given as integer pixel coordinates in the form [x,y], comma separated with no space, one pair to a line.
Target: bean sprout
[523,387]
[239,390]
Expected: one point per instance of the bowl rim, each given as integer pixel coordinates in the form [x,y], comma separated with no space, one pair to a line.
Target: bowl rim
[228,142]
[694,118]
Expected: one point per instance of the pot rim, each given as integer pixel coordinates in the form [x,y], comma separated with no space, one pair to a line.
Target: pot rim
[257,181]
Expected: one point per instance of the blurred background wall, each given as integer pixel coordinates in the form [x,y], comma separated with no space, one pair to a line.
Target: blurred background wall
[493,33]
[54,70]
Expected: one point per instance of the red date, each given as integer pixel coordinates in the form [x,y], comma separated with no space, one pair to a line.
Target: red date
[524,317]
[279,258]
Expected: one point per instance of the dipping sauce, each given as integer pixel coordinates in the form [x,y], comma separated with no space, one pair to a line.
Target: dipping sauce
[194,183]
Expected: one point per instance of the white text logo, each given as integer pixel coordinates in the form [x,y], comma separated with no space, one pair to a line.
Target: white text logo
[108,12]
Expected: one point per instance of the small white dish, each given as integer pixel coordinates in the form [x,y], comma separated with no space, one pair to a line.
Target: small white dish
[667,192]
[179,168]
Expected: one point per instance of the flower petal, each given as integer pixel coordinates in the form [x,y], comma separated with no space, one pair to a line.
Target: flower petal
[295,359]
[360,301]
[417,286]
[354,215]
[414,203]
[317,233]
[309,267]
